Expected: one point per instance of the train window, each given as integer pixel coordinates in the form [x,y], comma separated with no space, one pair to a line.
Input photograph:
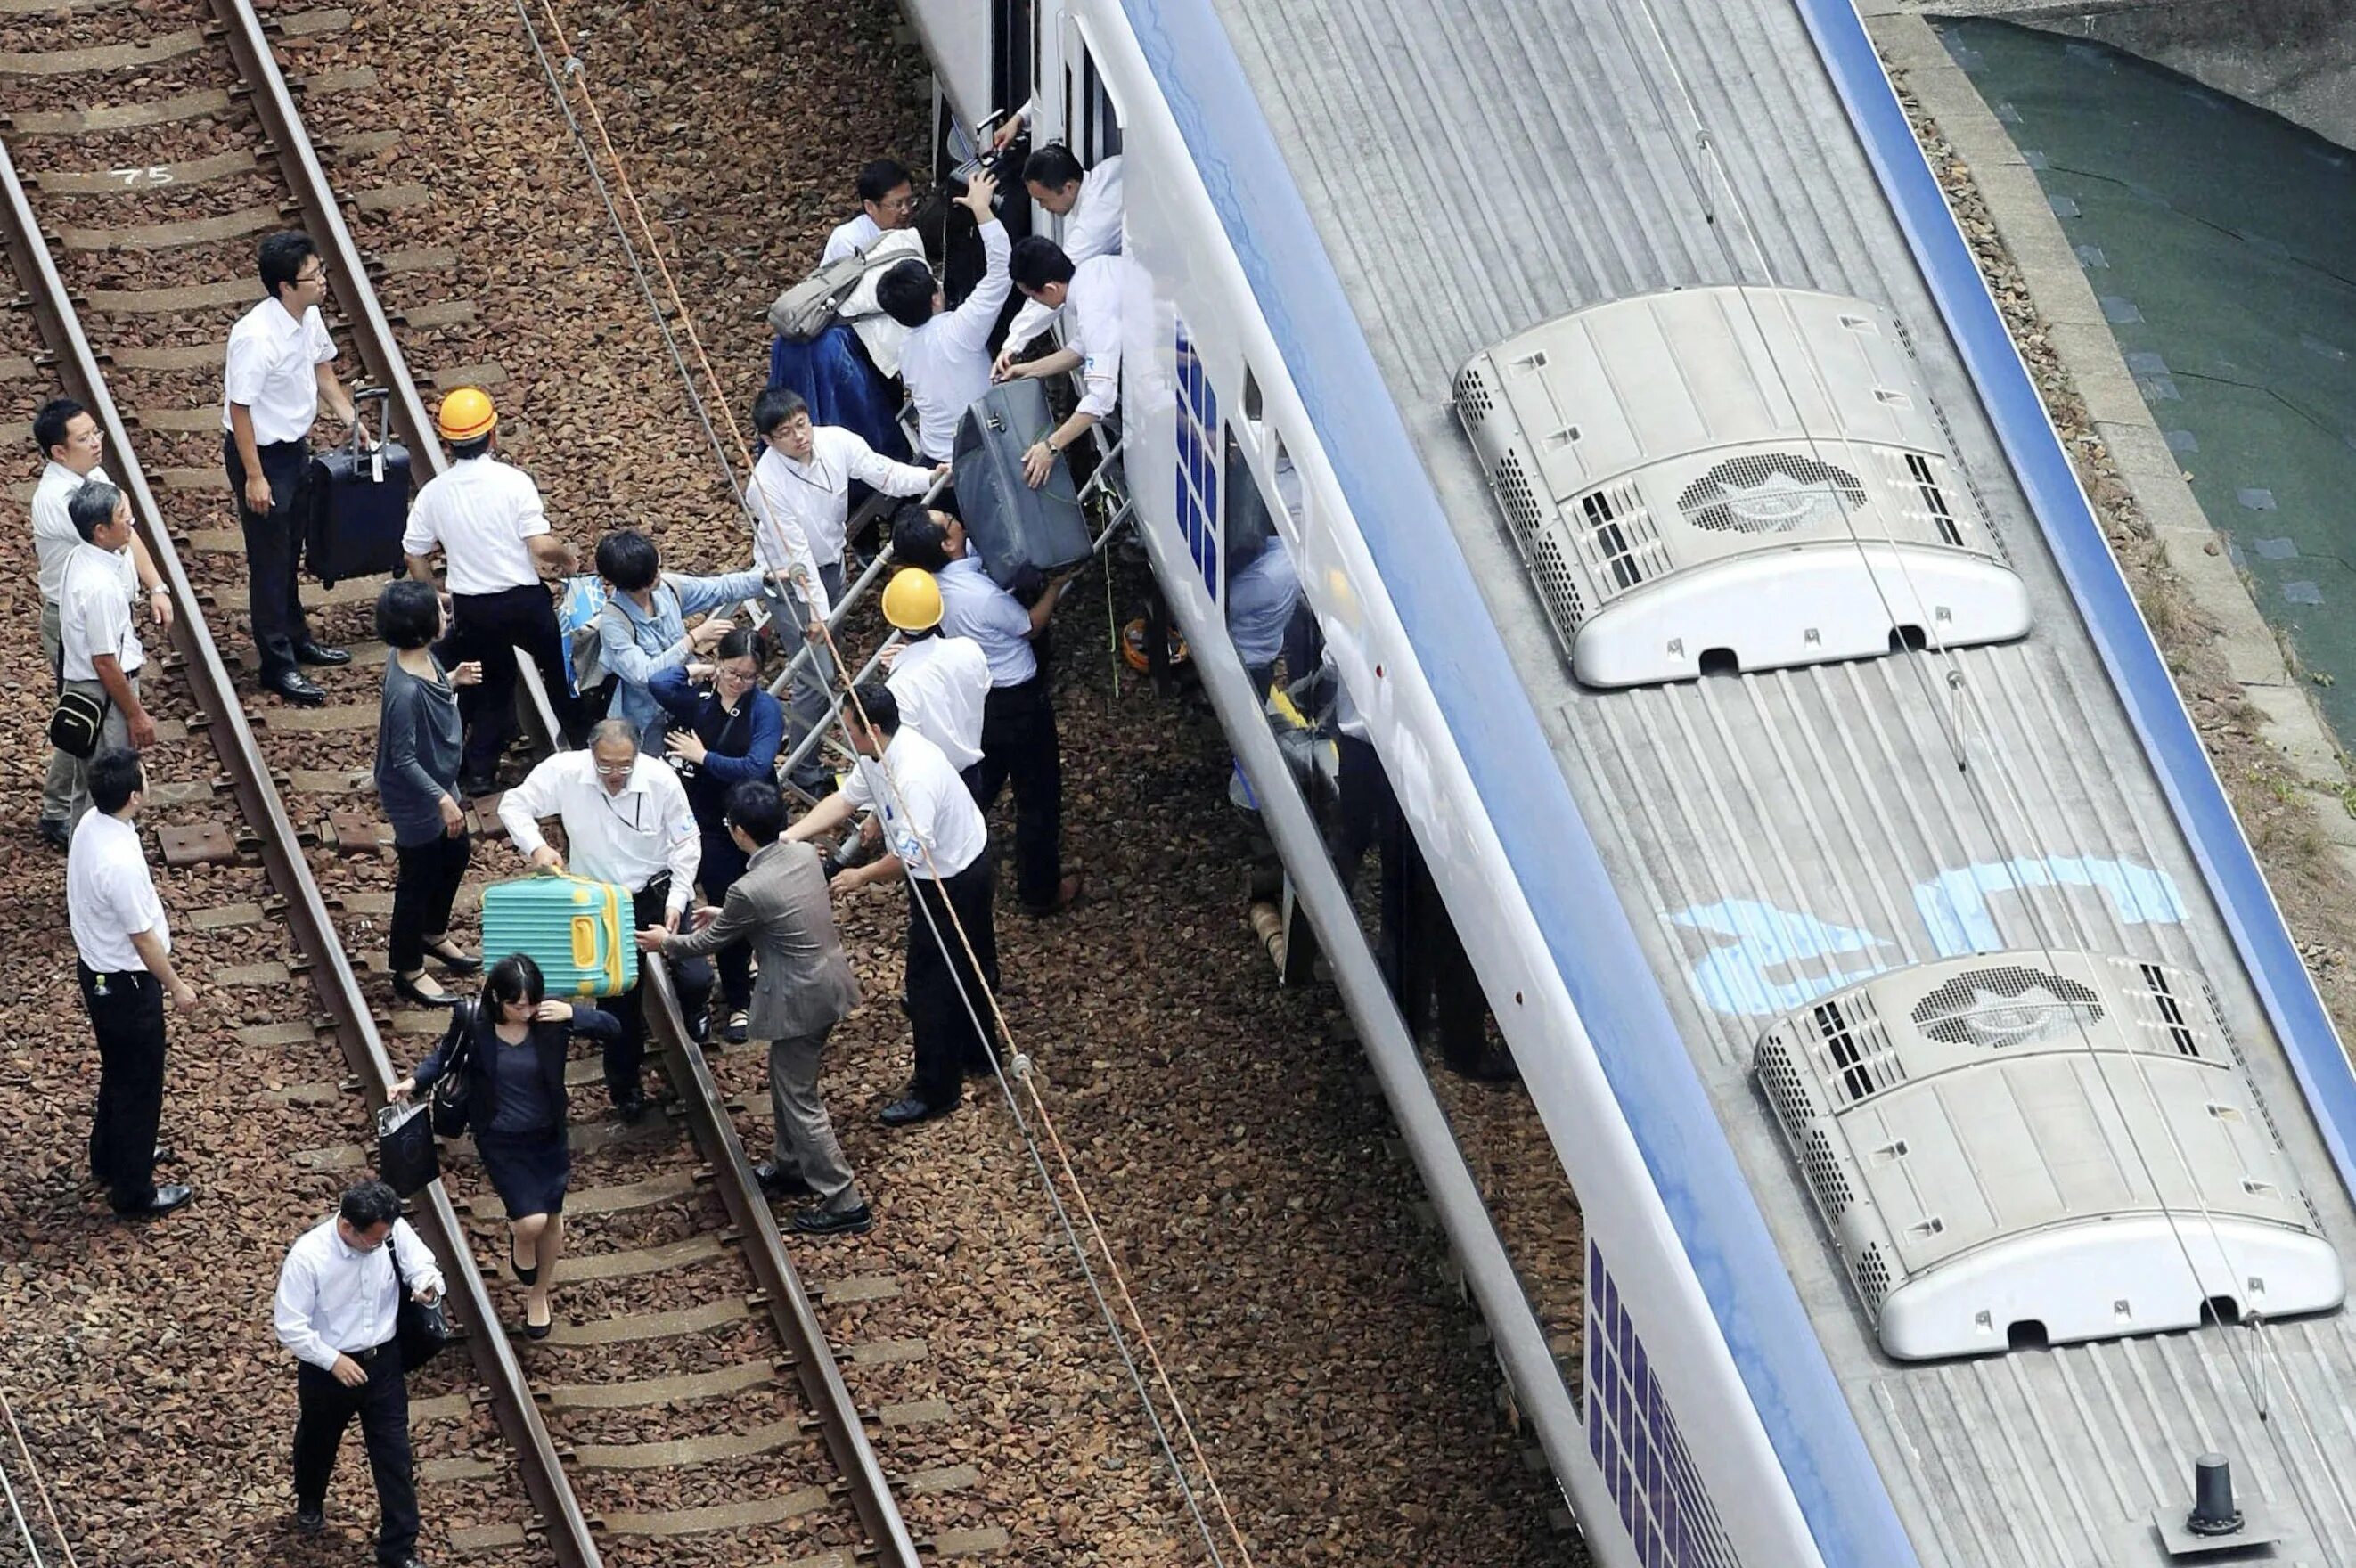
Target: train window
[1101,127]
[1254,412]
[1011,54]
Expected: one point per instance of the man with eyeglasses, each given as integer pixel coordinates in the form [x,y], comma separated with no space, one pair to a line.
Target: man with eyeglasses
[281,363]
[628,821]
[887,199]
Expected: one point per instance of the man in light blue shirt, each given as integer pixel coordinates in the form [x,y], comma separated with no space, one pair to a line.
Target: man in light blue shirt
[1018,718]
[643,627]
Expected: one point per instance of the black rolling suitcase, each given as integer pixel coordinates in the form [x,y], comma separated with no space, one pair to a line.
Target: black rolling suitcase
[1018,532]
[360,502]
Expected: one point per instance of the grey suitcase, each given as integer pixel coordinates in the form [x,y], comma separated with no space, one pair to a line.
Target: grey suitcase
[1015,529]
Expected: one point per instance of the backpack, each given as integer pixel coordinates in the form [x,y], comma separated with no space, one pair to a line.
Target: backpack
[578,611]
[810,307]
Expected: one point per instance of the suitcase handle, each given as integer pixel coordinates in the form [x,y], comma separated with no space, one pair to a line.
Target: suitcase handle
[383,397]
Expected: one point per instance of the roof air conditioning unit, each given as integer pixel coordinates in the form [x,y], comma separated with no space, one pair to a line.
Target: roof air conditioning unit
[2040,1148]
[1743,475]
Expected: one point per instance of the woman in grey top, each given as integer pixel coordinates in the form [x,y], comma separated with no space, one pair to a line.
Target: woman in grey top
[417,749]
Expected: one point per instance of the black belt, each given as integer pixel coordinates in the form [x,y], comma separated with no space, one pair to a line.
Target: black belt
[368,1356]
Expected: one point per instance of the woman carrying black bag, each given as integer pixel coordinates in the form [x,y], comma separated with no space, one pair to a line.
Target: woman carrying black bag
[417,749]
[511,1048]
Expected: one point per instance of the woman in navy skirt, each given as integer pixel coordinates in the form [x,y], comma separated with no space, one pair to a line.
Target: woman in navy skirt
[515,1041]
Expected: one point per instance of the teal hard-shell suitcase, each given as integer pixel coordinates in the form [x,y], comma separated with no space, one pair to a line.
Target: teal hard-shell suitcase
[577,930]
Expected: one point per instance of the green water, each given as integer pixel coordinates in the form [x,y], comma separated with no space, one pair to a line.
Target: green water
[2221,242]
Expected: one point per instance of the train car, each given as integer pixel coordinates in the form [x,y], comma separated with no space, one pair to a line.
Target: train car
[1962,1148]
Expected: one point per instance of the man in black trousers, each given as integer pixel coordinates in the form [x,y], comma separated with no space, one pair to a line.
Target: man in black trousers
[280,364]
[123,957]
[338,1310]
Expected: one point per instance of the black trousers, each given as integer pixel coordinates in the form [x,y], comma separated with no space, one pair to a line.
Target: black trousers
[941,980]
[491,627]
[723,863]
[1019,744]
[382,1403]
[424,888]
[273,548]
[626,1056]
[126,1014]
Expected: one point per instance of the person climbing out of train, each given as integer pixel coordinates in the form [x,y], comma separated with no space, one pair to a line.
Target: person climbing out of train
[1019,743]
[629,824]
[642,627]
[942,682]
[279,365]
[801,509]
[887,200]
[935,839]
[71,443]
[1050,278]
[945,364]
[780,905]
[486,518]
[417,774]
[1088,200]
[730,732]
[512,1045]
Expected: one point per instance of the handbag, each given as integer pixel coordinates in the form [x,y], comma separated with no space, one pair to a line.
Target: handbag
[78,722]
[418,1328]
[455,1087]
[405,1154]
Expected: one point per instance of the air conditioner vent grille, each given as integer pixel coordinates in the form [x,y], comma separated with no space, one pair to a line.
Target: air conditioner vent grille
[1786,1087]
[1473,400]
[2007,1005]
[1615,530]
[1521,499]
[2179,1029]
[1856,1053]
[1825,1176]
[1872,1275]
[1558,585]
[1934,507]
[1770,493]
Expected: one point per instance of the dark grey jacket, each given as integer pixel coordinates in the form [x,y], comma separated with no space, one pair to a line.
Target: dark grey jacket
[417,743]
[780,905]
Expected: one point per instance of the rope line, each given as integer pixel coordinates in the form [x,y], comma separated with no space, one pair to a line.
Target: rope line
[48,1506]
[576,71]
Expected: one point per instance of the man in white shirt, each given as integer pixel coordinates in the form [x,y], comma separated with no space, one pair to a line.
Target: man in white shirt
[945,364]
[1089,203]
[1019,743]
[801,510]
[887,200]
[123,958]
[70,439]
[1092,288]
[627,820]
[100,655]
[935,840]
[338,1309]
[280,364]
[941,683]
[487,520]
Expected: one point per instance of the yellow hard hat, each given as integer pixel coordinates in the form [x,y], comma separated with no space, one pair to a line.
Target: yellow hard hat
[466,415]
[912,600]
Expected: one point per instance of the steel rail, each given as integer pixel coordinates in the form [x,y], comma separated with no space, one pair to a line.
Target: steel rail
[789,1305]
[223,721]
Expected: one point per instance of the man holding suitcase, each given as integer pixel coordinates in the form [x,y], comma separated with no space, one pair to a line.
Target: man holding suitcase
[1018,718]
[945,364]
[485,518]
[280,364]
[1051,280]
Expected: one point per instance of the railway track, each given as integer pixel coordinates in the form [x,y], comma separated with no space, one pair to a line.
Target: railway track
[687,1407]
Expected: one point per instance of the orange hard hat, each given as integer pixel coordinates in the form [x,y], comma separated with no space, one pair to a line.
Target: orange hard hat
[912,600]
[466,415]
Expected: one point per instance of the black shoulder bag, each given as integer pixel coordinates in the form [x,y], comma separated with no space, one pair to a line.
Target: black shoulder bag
[419,1328]
[455,1087]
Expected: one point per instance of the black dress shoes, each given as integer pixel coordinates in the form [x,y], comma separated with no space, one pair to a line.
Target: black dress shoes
[297,688]
[175,1195]
[910,1110]
[56,835]
[309,1520]
[321,655]
[779,1183]
[630,1106]
[834,1221]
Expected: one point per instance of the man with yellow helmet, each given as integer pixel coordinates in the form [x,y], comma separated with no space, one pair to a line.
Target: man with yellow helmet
[486,519]
[942,682]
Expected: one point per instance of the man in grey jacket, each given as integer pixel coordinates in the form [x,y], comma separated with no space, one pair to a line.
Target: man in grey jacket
[805,989]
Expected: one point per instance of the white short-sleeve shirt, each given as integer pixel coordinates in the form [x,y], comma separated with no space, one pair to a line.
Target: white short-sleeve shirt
[272,370]
[95,605]
[111,894]
[924,804]
[54,535]
[941,683]
[479,513]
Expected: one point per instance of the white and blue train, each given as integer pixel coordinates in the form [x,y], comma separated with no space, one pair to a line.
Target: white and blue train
[1962,1148]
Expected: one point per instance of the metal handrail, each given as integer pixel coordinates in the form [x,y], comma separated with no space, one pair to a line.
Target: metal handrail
[307,911]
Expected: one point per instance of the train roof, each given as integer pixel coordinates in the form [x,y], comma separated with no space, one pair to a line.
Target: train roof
[1468,176]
